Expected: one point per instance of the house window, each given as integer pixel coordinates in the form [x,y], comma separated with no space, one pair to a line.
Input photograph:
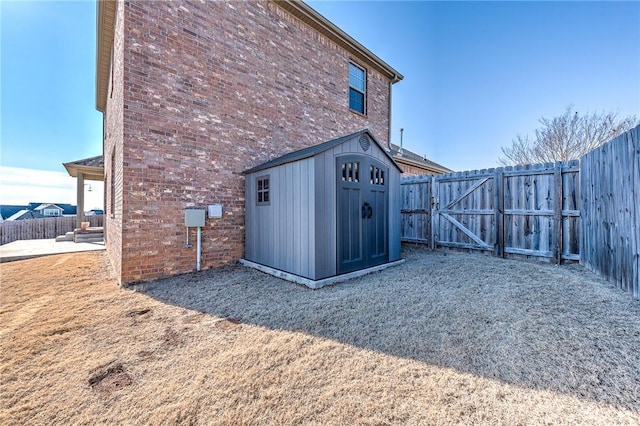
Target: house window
[262,183]
[357,88]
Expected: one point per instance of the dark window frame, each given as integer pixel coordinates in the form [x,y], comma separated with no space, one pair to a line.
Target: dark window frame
[263,190]
[358,90]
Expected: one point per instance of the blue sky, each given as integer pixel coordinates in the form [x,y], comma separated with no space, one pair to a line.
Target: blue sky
[476,75]
[479,73]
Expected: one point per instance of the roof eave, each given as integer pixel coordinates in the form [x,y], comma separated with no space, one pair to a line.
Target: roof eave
[88,172]
[105,21]
[431,167]
[310,16]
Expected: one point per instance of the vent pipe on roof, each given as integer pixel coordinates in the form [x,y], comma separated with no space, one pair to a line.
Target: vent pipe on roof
[401,131]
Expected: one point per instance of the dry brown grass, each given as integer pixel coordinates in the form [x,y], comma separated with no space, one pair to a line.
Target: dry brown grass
[441,339]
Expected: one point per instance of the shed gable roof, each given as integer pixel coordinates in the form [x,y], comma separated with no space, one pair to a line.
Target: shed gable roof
[317,149]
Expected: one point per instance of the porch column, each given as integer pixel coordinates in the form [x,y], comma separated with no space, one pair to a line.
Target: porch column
[80,200]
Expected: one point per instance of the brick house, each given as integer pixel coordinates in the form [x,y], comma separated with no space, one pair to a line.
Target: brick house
[415,165]
[194,93]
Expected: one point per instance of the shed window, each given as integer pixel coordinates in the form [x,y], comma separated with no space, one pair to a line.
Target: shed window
[376,176]
[357,88]
[262,183]
[351,172]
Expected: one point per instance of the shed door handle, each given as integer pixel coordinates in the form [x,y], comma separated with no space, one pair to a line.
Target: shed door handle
[367,210]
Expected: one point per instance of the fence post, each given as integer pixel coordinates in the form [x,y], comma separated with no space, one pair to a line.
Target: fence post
[434,207]
[557,213]
[498,205]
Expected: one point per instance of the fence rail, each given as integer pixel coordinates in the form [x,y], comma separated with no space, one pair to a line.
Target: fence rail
[35,229]
[529,211]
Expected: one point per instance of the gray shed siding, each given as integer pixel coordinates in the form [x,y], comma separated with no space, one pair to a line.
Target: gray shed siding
[277,234]
[296,232]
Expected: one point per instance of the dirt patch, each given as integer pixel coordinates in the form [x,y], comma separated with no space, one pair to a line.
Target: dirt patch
[145,354]
[110,378]
[195,318]
[138,312]
[172,337]
[228,324]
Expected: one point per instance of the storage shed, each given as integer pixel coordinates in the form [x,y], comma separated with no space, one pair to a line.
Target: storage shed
[324,211]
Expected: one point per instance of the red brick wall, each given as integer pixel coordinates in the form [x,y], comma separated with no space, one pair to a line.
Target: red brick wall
[211,89]
[409,170]
[113,141]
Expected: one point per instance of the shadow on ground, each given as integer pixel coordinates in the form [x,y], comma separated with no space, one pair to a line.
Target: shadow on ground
[533,325]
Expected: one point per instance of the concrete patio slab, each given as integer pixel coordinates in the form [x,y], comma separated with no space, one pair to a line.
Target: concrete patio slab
[27,249]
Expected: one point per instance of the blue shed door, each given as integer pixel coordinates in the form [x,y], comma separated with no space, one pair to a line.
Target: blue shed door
[362,213]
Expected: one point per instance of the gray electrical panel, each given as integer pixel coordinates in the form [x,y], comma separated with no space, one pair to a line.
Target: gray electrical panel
[194,217]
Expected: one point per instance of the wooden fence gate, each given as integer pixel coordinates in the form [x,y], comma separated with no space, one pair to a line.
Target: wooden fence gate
[527,211]
[416,202]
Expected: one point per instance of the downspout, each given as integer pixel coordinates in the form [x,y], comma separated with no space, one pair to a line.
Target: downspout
[389,130]
[394,80]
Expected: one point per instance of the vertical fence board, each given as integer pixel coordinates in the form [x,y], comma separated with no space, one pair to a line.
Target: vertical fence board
[557,213]
[609,203]
[498,202]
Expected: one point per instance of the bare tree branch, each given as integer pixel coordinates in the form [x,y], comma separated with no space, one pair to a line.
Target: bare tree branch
[566,137]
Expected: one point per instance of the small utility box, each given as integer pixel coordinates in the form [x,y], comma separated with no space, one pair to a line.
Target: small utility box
[194,218]
[215,210]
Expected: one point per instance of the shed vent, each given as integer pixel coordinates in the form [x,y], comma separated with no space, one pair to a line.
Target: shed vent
[365,142]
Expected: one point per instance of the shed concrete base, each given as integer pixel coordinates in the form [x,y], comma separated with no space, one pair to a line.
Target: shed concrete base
[317,283]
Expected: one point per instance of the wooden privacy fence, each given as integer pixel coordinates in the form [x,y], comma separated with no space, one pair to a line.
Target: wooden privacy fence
[36,229]
[527,211]
[610,206]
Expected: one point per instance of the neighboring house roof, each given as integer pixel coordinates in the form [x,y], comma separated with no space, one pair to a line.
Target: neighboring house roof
[47,206]
[416,160]
[92,168]
[7,211]
[106,10]
[25,214]
[67,209]
[316,149]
